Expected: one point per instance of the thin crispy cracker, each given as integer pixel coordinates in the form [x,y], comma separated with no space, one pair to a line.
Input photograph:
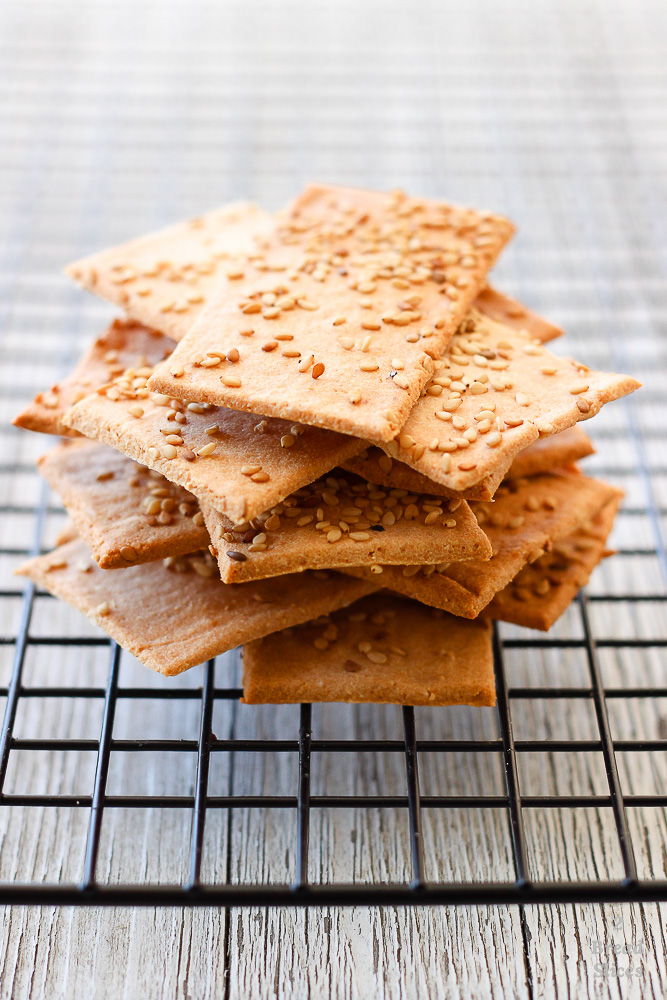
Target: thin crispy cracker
[553,452]
[172,618]
[369,286]
[527,516]
[165,278]
[505,373]
[382,649]
[340,521]
[124,345]
[541,591]
[126,513]
[283,456]
[509,311]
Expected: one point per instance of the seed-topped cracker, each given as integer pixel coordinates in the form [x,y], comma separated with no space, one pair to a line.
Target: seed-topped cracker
[496,390]
[126,513]
[341,520]
[336,318]
[381,649]
[124,345]
[174,616]
[542,590]
[239,463]
[526,518]
[164,279]
[553,452]
[504,309]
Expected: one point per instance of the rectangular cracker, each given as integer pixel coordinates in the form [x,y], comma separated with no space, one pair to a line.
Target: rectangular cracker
[175,617]
[553,452]
[124,345]
[541,591]
[335,320]
[125,513]
[164,279]
[340,521]
[497,390]
[527,516]
[381,649]
[255,462]
[504,309]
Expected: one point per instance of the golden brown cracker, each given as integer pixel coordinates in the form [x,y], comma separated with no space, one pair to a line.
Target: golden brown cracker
[126,513]
[504,309]
[174,617]
[238,463]
[541,591]
[525,519]
[381,649]
[497,390]
[164,279]
[337,317]
[340,521]
[124,345]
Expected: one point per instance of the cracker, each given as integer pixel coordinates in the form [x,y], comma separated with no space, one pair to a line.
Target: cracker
[382,649]
[164,279]
[172,618]
[553,452]
[496,391]
[505,310]
[339,521]
[124,345]
[254,462]
[527,516]
[556,451]
[124,512]
[336,321]
[541,591]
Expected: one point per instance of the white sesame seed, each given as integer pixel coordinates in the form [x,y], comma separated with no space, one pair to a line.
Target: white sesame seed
[207,449]
[230,381]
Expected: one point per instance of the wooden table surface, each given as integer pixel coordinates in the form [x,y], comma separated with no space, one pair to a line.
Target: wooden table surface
[117,118]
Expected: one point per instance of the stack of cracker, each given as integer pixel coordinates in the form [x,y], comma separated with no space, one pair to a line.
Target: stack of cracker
[323,436]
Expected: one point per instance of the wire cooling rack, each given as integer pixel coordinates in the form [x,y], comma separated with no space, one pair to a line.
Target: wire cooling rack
[94,136]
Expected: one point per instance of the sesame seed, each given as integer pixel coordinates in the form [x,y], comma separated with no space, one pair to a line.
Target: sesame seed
[578,387]
[230,381]
[233,355]
[305,363]
[135,411]
[359,536]
[168,451]
[376,657]
[446,463]
[271,345]
[286,441]
[260,477]
[207,449]
[250,470]
[544,427]
[103,609]
[548,370]
[318,370]
[129,553]
[493,440]
[355,396]
[401,382]
[368,366]
[235,556]
[198,519]
[477,388]
[583,405]
[334,534]
[209,362]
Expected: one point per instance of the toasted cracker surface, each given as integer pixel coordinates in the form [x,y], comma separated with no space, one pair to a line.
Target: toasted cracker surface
[496,391]
[336,320]
[239,463]
[172,618]
[525,519]
[341,520]
[164,279]
[504,309]
[545,454]
[124,345]
[126,513]
[541,591]
[381,649]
